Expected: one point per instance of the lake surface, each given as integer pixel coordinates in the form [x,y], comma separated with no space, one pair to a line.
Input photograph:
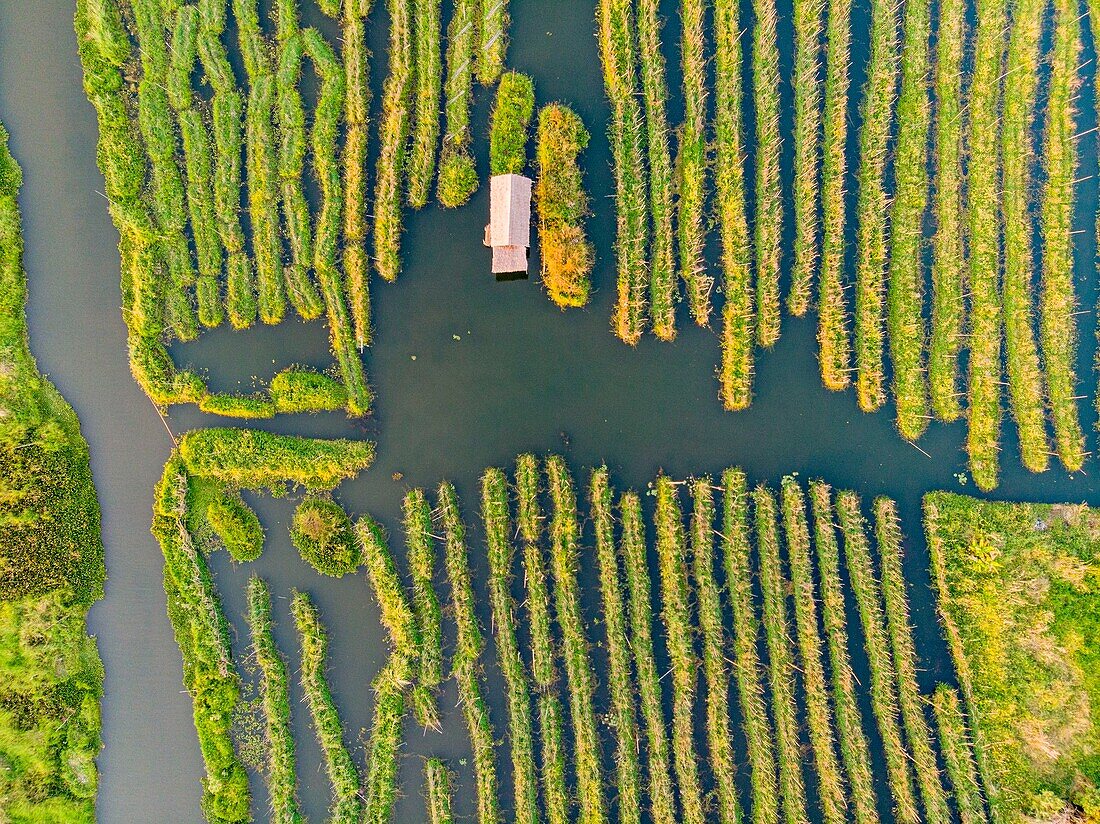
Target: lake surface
[468,373]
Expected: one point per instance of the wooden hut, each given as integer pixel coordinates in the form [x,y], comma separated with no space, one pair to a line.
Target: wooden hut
[509,229]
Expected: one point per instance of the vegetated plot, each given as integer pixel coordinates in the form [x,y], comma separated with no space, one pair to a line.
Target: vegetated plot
[509,124]
[834,345]
[429,79]
[948,254]
[958,755]
[357,96]
[1021,620]
[736,369]
[768,216]
[425,603]
[618,54]
[872,209]
[905,287]
[983,200]
[191,188]
[457,172]
[1025,382]
[1058,325]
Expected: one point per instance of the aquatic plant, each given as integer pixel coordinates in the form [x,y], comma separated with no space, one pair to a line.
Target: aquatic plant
[659,769]
[229,405]
[872,208]
[712,633]
[282,785]
[905,286]
[662,267]
[622,718]
[555,794]
[300,389]
[509,124]
[236,525]
[807,147]
[425,604]
[429,80]
[357,96]
[1057,319]
[819,715]
[680,642]
[346,805]
[948,307]
[393,134]
[564,560]
[562,204]
[735,371]
[884,696]
[321,532]
[692,162]
[781,665]
[983,202]
[746,666]
[917,733]
[958,756]
[1025,379]
[465,663]
[854,750]
[438,782]
[619,59]
[834,345]
[768,219]
[501,552]
[457,173]
[493,40]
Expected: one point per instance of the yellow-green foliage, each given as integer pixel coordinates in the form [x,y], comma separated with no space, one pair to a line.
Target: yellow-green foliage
[254,459]
[237,406]
[429,73]
[692,161]
[357,119]
[1018,587]
[425,604]
[493,40]
[51,567]
[321,532]
[346,805]
[509,123]
[958,755]
[394,133]
[438,782]
[236,525]
[274,692]
[300,389]
[457,173]
[562,203]
[768,222]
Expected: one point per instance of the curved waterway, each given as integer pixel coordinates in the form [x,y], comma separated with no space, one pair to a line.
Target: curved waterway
[468,372]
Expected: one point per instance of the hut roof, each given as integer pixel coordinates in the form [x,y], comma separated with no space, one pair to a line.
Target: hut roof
[510,211]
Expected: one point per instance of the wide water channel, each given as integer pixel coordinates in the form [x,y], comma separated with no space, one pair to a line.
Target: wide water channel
[468,373]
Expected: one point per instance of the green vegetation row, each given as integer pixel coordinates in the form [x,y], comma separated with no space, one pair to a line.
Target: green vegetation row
[958,755]
[562,204]
[427,32]
[768,223]
[692,161]
[357,97]
[425,604]
[51,566]
[457,173]
[438,783]
[510,123]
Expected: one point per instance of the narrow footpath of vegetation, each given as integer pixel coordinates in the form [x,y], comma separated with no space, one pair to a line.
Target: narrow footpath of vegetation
[872,208]
[623,721]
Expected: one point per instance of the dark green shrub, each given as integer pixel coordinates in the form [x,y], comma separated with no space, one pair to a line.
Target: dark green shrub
[457,180]
[236,525]
[322,533]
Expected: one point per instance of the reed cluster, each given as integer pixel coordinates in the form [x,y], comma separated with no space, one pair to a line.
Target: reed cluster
[393,134]
[905,287]
[493,40]
[564,560]
[768,223]
[236,526]
[680,642]
[819,715]
[425,604]
[510,123]
[457,173]
[1058,302]
[380,784]
[884,695]
[735,371]
[948,307]
[555,794]
[781,666]
[282,785]
[983,201]
[618,55]
[958,756]
[501,552]
[567,255]
[747,668]
[228,405]
[429,81]
[712,634]
[346,804]
[854,750]
[873,208]
[628,769]
[807,148]
[357,95]
[465,663]
[438,782]
[692,161]
[834,344]
[301,389]
[662,266]
[1025,384]
[322,533]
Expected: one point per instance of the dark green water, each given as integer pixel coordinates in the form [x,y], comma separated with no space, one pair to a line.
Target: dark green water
[468,373]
